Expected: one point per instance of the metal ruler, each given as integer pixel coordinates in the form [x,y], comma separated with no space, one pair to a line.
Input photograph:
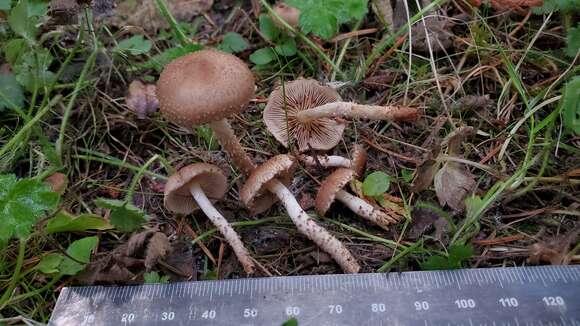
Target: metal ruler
[523,296]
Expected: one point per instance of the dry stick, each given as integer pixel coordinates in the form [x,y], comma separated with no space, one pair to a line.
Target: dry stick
[223,226]
[313,231]
[354,110]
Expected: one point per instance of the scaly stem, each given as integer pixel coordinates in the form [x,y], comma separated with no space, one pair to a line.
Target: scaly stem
[364,209]
[231,236]
[353,110]
[16,274]
[313,231]
[327,161]
[225,135]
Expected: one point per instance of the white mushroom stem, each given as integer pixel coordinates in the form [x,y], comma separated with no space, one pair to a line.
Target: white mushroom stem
[354,110]
[327,161]
[223,226]
[313,231]
[231,144]
[364,209]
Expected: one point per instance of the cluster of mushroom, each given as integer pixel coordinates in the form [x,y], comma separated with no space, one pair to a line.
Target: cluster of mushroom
[197,89]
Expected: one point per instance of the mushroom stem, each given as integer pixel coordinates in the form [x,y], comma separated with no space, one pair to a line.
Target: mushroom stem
[225,135]
[327,161]
[313,231]
[364,209]
[223,226]
[354,110]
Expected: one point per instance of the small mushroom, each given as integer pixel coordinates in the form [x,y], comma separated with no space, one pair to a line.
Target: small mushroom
[309,112]
[357,163]
[331,189]
[206,87]
[288,13]
[265,177]
[196,186]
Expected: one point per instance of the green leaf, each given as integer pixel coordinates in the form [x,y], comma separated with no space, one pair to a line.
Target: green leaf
[154,277]
[124,216]
[37,8]
[472,205]
[268,28]
[436,263]
[460,253]
[407,175]
[14,50]
[49,264]
[5,5]
[291,322]
[80,251]
[66,222]
[135,45]
[573,41]
[263,56]
[21,23]
[159,61]
[322,17]
[376,183]
[557,5]
[286,47]
[571,105]
[32,70]
[206,134]
[22,203]
[10,89]
[233,43]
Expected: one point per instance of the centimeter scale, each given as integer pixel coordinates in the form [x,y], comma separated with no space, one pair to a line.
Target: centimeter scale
[522,296]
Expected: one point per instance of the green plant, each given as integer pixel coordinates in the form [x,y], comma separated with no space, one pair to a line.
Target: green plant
[233,43]
[376,184]
[322,17]
[566,8]
[454,259]
[284,44]
[570,105]
[124,215]
[154,277]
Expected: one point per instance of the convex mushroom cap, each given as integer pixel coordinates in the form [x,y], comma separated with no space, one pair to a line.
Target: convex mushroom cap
[203,87]
[330,187]
[300,95]
[288,13]
[177,195]
[279,167]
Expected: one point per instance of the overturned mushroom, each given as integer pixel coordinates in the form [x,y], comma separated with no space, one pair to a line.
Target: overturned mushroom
[308,113]
[357,163]
[207,87]
[195,186]
[265,177]
[331,189]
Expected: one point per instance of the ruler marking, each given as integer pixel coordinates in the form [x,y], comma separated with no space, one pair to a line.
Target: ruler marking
[559,271]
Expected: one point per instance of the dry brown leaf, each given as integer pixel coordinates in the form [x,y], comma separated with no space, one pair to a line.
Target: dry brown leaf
[456,138]
[472,103]
[422,220]
[57,182]
[141,99]
[440,35]
[453,182]
[156,249]
[136,243]
[425,172]
[66,12]
[554,251]
[144,13]
[181,259]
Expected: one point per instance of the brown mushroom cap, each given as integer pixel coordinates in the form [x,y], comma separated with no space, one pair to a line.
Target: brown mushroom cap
[330,186]
[210,178]
[279,167]
[288,13]
[359,159]
[204,86]
[303,94]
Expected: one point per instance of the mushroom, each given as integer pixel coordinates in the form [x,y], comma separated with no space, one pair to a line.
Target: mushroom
[265,178]
[331,189]
[357,163]
[289,14]
[196,186]
[308,112]
[206,87]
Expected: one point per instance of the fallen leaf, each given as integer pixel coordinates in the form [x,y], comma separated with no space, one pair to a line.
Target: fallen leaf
[66,12]
[555,250]
[426,170]
[156,249]
[472,103]
[456,138]
[57,182]
[136,243]
[422,221]
[453,183]
[141,99]
[145,13]
[439,33]
[180,257]
[65,222]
